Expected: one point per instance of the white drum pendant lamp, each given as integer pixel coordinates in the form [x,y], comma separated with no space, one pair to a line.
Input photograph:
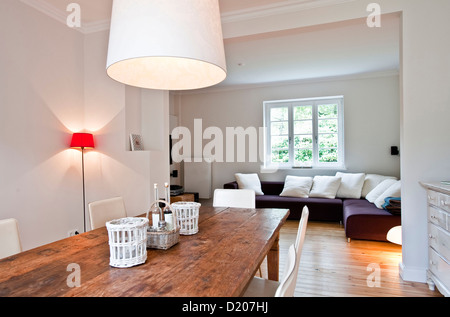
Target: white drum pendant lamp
[166,44]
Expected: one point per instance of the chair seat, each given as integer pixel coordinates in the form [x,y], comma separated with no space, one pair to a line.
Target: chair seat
[260,287]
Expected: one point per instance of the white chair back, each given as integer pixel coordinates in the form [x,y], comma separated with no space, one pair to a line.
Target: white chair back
[289,275]
[238,198]
[102,211]
[9,238]
[302,229]
[292,279]
[259,287]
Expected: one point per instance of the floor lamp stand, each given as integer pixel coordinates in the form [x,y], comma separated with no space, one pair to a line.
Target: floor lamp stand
[84,189]
[83,141]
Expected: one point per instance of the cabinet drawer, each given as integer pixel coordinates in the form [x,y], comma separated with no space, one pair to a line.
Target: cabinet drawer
[439,240]
[437,217]
[439,267]
[444,202]
[433,197]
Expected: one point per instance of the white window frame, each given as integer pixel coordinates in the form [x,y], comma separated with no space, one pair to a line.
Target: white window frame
[268,105]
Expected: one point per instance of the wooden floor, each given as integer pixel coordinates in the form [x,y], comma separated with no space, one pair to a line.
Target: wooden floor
[332,267]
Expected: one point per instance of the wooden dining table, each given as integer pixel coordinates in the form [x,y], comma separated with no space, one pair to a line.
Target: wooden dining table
[219,261]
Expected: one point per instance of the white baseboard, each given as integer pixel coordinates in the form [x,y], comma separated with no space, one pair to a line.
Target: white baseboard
[413,274]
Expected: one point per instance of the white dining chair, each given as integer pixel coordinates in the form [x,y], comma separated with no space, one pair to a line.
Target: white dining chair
[260,287]
[102,211]
[10,243]
[239,198]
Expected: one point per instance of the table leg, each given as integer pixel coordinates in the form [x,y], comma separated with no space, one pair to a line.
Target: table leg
[273,260]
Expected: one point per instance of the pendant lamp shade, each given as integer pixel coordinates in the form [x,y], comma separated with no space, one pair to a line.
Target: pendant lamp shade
[167,45]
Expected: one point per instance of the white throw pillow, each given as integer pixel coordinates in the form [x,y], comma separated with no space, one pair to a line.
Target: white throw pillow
[297,186]
[379,189]
[371,181]
[249,181]
[351,185]
[325,187]
[395,190]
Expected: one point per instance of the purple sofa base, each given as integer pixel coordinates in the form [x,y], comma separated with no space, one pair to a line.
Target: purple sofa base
[362,220]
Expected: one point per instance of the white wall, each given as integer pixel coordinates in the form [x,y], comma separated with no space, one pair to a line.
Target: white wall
[53,83]
[41,102]
[425,116]
[372,121]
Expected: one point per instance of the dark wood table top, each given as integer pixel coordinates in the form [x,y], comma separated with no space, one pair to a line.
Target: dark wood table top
[218,261]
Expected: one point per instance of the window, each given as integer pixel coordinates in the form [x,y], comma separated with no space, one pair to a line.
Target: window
[305,133]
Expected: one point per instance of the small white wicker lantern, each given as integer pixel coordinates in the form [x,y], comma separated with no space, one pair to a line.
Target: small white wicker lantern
[187,216]
[127,241]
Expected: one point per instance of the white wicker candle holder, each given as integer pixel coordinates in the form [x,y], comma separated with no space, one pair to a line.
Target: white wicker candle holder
[127,241]
[187,216]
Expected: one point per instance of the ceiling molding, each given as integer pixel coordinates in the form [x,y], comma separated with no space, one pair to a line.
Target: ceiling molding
[284,7]
[61,16]
[93,27]
[46,8]
[234,87]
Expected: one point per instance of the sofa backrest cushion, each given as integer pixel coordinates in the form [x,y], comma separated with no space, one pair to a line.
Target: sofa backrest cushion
[272,188]
[325,186]
[297,186]
[249,181]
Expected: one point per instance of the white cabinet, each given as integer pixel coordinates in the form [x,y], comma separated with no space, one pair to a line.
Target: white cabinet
[438,273]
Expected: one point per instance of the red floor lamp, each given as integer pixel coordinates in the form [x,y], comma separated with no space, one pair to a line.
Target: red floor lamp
[83,141]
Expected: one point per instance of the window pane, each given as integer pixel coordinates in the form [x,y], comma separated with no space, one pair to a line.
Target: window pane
[280,149]
[279,114]
[328,111]
[328,126]
[328,141]
[279,128]
[302,112]
[303,127]
[303,157]
[328,156]
[280,156]
[303,141]
[280,142]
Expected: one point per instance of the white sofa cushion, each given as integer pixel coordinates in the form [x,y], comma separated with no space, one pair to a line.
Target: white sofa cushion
[371,181]
[325,186]
[379,189]
[297,186]
[351,185]
[249,181]
[395,190]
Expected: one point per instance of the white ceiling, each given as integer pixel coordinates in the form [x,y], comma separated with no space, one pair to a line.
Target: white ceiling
[338,49]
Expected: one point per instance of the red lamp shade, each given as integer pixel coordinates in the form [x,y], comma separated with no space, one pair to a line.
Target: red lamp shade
[82,141]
